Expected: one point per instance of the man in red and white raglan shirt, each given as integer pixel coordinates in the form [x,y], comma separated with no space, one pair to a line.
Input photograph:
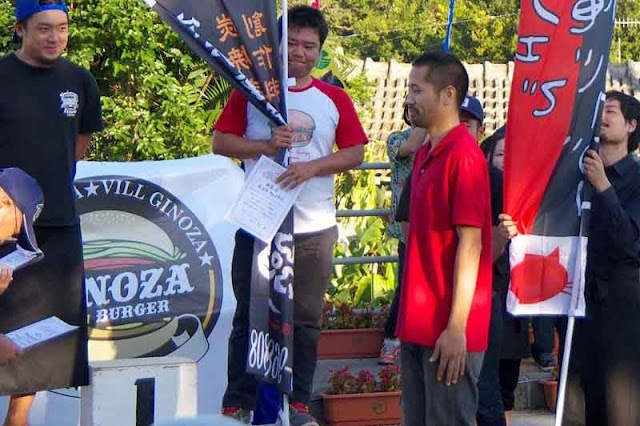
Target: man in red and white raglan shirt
[445,304]
[320,116]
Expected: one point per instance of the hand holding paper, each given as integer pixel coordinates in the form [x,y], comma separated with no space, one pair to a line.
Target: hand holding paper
[39,332]
[263,203]
[8,349]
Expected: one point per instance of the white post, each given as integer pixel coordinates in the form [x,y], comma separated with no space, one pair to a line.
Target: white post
[284,43]
[562,386]
[112,399]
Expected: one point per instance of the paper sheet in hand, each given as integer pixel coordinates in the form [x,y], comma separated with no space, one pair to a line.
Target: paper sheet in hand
[263,204]
[40,332]
[19,258]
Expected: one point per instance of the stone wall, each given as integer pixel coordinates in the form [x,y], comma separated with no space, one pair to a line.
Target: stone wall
[491,83]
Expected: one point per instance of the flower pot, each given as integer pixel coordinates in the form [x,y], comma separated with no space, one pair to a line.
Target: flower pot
[550,393]
[362,409]
[352,343]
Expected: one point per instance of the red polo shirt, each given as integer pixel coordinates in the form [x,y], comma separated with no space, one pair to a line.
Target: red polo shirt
[449,187]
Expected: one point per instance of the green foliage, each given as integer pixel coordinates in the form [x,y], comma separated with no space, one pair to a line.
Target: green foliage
[484,30]
[153,89]
[158,99]
[359,284]
[626,38]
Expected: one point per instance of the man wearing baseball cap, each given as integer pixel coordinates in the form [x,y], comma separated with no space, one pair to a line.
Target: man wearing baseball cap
[49,107]
[472,116]
[20,205]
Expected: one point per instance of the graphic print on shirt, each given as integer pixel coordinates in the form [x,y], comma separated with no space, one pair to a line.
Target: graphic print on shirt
[69,103]
[303,128]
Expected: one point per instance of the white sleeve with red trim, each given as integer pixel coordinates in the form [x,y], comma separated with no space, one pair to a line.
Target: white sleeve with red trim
[349,131]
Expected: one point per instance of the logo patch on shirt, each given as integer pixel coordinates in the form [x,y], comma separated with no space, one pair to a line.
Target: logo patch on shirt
[69,103]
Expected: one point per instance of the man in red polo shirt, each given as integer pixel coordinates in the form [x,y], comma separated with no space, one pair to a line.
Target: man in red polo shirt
[444,313]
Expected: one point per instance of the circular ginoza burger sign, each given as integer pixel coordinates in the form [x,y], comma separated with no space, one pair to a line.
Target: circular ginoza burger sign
[152,273]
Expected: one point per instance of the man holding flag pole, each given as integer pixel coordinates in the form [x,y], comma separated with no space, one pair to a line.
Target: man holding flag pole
[319,116]
[604,373]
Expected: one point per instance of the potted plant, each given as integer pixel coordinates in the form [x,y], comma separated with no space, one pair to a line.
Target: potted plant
[550,388]
[362,400]
[351,333]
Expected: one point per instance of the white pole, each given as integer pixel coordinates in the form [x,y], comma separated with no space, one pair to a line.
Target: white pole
[284,46]
[562,386]
[284,43]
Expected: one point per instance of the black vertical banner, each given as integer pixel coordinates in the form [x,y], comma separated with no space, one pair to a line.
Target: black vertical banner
[240,39]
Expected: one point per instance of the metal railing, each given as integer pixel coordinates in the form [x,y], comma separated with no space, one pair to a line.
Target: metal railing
[365,260]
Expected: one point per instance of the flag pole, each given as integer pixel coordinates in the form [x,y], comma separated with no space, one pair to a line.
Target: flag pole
[577,294]
[564,370]
[447,39]
[284,43]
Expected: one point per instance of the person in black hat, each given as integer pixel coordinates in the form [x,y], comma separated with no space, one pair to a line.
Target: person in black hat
[20,205]
[49,108]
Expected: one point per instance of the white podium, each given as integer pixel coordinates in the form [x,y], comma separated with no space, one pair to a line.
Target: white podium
[139,392]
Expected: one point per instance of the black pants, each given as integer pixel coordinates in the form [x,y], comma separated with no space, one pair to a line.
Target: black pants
[313,264]
[544,334]
[490,406]
[392,320]
[509,375]
[603,386]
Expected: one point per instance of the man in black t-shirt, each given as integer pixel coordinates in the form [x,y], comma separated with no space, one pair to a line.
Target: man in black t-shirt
[49,107]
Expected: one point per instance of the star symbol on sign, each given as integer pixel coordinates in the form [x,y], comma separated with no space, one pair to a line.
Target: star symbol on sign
[205,259]
[91,189]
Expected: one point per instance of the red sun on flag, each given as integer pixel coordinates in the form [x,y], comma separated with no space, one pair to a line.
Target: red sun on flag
[539,278]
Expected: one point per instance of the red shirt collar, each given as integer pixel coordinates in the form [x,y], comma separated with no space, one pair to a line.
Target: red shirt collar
[454,134]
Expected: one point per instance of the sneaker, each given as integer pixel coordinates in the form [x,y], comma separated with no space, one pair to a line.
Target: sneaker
[546,361]
[389,352]
[237,413]
[299,415]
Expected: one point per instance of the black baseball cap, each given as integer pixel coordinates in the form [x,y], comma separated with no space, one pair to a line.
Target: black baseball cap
[27,196]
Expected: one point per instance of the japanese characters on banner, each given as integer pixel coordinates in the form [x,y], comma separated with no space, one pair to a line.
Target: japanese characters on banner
[556,101]
[240,40]
[237,38]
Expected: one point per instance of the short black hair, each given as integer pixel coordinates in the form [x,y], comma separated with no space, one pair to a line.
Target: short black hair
[302,16]
[445,70]
[488,145]
[630,108]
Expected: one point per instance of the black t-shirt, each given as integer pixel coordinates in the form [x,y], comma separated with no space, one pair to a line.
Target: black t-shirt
[42,111]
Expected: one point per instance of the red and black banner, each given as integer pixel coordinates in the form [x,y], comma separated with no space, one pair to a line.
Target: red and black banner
[240,39]
[555,107]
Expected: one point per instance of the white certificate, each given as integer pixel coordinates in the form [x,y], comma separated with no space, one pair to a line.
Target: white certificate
[19,258]
[263,204]
[40,332]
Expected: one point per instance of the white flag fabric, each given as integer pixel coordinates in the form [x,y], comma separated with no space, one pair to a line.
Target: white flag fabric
[547,275]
